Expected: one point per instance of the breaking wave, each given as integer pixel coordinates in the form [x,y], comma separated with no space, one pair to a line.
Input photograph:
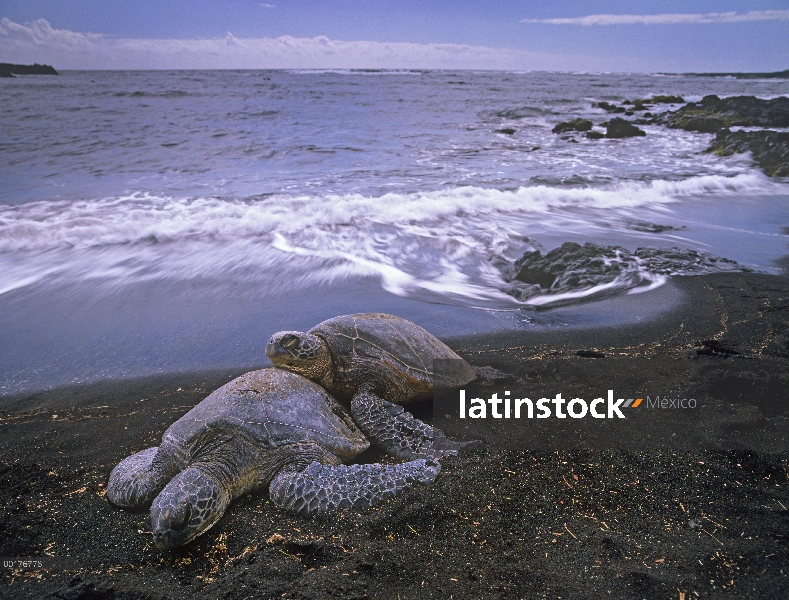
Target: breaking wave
[452,244]
[143,218]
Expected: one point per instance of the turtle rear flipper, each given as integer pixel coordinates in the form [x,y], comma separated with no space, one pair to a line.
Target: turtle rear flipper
[322,488]
[397,432]
[136,480]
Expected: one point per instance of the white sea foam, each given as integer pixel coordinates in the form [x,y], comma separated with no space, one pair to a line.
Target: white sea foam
[13,282]
[584,293]
[142,218]
[657,281]
[443,243]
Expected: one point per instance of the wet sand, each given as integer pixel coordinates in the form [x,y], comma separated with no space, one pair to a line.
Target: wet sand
[664,504]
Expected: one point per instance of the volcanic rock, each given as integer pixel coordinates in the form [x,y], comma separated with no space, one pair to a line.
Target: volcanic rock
[660,99]
[713,113]
[572,267]
[34,69]
[620,128]
[573,125]
[609,107]
[770,149]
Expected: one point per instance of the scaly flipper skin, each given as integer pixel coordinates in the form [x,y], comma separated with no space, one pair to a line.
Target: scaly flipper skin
[188,506]
[397,432]
[323,488]
[135,481]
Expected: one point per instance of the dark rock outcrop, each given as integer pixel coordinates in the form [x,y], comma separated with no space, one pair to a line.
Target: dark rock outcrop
[35,69]
[713,114]
[653,227]
[770,75]
[506,130]
[661,99]
[612,108]
[572,267]
[595,135]
[620,128]
[701,124]
[638,104]
[573,125]
[770,149]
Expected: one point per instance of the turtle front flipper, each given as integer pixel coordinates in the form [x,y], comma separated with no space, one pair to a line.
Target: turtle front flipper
[227,467]
[397,432]
[137,479]
[322,488]
[188,506]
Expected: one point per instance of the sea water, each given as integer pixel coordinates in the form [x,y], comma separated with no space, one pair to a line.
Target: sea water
[172,220]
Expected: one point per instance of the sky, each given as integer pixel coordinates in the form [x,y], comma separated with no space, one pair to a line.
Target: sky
[565,35]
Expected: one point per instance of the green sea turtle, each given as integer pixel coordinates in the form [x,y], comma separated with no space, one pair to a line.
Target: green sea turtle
[268,427]
[378,362]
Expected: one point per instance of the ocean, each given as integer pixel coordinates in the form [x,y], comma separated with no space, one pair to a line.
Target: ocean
[163,221]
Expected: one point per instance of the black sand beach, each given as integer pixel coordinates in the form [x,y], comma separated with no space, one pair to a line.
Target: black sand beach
[665,504]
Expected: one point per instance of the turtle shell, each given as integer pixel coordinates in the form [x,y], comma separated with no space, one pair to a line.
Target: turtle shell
[410,352]
[271,408]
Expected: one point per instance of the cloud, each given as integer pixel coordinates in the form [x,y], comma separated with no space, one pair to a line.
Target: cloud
[669,18]
[264,5]
[39,42]
[40,33]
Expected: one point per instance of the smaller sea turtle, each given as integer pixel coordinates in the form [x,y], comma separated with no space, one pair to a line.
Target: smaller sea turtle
[378,362]
[268,427]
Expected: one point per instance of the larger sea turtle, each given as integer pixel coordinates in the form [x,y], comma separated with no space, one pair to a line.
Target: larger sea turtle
[268,427]
[378,362]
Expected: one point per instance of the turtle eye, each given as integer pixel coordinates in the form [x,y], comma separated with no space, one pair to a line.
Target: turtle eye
[289,341]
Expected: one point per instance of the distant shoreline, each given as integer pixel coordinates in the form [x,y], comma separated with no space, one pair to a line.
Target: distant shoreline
[9,70]
[771,75]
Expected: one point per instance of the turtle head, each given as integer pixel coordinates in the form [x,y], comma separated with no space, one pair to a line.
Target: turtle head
[302,353]
[190,504]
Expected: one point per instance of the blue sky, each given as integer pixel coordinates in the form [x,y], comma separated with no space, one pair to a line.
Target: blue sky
[694,35]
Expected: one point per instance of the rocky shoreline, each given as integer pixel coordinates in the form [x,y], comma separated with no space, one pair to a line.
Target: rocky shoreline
[770,149]
[738,75]
[9,70]
[712,114]
[572,268]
